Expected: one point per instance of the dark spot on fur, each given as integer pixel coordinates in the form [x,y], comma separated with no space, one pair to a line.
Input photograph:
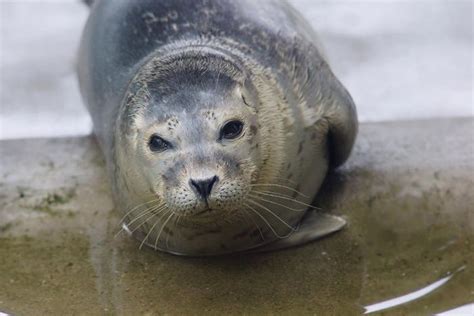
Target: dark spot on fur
[300,148]
[209,231]
[168,231]
[288,166]
[313,136]
[255,233]
[297,189]
[253,130]
[214,231]
[242,234]
[290,176]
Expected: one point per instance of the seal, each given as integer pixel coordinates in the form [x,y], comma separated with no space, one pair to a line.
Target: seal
[218,120]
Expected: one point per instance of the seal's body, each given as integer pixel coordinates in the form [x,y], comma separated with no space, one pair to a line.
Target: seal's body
[218,120]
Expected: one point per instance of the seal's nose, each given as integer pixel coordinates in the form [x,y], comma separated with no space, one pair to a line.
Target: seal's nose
[203,187]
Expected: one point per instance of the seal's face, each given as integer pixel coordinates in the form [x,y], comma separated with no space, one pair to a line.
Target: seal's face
[195,146]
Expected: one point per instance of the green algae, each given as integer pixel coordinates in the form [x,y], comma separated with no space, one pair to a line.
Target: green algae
[51,203]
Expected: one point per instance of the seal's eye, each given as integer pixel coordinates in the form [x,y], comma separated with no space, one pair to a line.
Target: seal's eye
[231,130]
[158,144]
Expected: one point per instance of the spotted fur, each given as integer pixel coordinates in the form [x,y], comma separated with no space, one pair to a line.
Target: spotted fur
[181,70]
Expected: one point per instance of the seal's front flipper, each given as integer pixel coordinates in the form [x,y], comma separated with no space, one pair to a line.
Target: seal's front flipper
[315,225]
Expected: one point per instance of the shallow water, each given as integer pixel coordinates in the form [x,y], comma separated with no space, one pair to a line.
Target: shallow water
[410,236]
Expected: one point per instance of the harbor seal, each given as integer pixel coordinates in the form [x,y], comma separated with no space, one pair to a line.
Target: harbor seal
[218,120]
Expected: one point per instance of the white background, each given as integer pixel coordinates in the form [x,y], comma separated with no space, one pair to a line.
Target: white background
[400,60]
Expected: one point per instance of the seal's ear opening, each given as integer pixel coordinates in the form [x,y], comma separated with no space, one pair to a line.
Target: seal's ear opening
[247,92]
[341,115]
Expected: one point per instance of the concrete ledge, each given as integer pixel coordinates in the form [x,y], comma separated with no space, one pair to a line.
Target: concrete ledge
[406,192]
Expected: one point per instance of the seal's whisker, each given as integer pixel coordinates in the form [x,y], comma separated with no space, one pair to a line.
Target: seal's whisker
[175,223]
[137,207]
[287,198]
[147,211]
[151,230]
[146,220]
[272,192]
[286,180]
[247,215]
[177,220]
[133,209]
[259,198]
[144,213]
[266,222]
[162,228]
[278,185]
[273,213]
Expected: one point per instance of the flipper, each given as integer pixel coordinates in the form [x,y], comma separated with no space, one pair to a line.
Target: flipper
[315,225]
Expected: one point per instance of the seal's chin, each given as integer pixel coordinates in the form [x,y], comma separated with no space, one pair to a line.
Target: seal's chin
[203,212]
[206,212]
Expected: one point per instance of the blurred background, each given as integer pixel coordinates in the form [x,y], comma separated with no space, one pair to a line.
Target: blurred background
[400,60]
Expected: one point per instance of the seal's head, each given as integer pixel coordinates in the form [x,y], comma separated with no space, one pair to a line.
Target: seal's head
[191,133]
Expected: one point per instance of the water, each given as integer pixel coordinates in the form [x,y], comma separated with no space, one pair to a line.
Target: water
[408,248]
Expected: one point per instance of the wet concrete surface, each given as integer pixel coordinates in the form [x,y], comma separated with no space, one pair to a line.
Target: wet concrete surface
[407,193]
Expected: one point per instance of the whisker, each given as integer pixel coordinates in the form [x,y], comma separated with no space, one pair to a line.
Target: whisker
[279,186]
[175,223]
[266,222]
[287,180]
[177,220]
[148,211]
[152,228]
[144,213]
[133,209]
[287,198]
[247,215]
[161,230]
[272,192]
[146,220]
[276,216]
[259,198]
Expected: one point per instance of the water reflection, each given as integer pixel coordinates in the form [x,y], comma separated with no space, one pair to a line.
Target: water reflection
[467,310]
[409,297]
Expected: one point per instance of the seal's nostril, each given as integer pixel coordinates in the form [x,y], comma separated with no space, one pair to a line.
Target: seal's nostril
[203,187]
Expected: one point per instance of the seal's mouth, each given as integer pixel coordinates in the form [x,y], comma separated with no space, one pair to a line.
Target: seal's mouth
[204,212]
